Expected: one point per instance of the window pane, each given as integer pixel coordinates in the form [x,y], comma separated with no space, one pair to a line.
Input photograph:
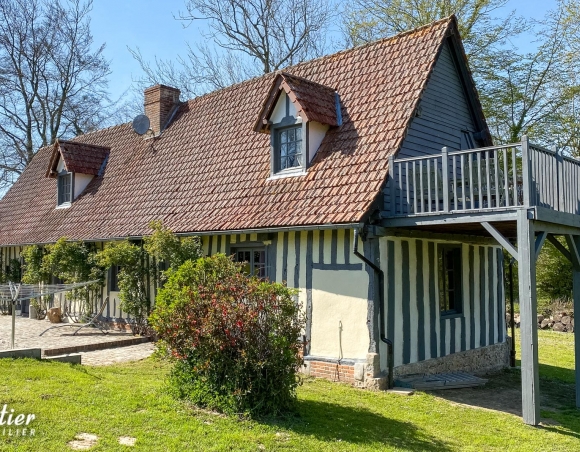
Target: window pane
[449,260]
[290,148]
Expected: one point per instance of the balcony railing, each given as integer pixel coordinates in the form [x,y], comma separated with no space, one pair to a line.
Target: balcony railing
[491,178]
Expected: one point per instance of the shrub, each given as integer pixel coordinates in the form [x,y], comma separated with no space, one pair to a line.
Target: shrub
[235,339]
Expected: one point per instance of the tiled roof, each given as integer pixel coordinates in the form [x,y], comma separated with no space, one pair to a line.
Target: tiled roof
[314,102]
[78,157]
[209,170]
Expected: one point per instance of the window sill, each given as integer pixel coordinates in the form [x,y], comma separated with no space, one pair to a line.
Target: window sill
[287,173]
[65,205]
[451,315]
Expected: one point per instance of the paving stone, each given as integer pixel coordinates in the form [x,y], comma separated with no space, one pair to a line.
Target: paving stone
[118,355]
[28,335]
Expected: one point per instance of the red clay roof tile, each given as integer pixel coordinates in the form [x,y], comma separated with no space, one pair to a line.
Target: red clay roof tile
[209,169]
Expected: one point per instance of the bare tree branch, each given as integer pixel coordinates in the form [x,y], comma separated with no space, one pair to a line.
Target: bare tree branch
[251,37]
[52,83]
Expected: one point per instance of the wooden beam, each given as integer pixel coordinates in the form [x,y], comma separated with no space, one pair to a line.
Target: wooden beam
[575,257]
[422,234]
[556,229]
[438,218]
[528,316]
[554,241]
[558,218]
[576,296]
[540,239]
[501,240]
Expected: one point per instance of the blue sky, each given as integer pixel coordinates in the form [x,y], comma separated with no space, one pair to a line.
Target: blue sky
[150,25]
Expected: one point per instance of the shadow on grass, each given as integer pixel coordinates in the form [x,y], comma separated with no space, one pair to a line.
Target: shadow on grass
[503,393]
[331,422]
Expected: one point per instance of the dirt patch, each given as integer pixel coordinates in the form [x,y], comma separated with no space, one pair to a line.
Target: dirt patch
[503,393]
[127,441]
[83,441]
[508,400]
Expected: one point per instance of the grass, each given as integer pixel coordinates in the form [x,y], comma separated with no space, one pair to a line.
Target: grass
[130,400]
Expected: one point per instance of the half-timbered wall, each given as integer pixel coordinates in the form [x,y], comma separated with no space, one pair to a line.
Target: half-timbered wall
[332,283]
[414,322]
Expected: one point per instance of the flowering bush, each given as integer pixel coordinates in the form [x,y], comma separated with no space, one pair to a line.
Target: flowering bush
[234,339]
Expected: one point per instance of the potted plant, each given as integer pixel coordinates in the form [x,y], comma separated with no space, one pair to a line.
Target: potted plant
[37,309]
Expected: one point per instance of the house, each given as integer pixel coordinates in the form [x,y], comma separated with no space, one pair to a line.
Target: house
[367,179]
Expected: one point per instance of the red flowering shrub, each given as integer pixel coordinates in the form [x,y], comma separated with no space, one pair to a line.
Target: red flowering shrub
[234,339]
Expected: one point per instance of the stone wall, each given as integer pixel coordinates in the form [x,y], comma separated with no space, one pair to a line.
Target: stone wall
[480,360]
[367,374]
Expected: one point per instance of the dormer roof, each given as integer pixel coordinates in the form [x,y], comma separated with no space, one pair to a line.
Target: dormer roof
[313,101]
[78,158]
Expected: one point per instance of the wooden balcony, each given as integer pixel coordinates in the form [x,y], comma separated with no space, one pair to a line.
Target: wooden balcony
[483,184]
[520,194]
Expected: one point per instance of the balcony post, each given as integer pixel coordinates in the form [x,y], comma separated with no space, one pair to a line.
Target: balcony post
[559,179]
[392,201]
[526,170]
[529,322]
[445,176]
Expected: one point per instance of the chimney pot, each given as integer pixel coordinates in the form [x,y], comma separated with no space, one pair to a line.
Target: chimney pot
[160,100]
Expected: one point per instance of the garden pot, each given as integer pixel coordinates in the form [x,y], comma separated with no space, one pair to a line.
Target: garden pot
[32,312]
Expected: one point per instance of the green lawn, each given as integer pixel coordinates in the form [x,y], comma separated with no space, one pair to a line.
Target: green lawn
[129,400]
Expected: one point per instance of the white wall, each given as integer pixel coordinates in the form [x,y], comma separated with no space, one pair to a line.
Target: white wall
[339,314]
[81,182]
[316,134]
[279,111]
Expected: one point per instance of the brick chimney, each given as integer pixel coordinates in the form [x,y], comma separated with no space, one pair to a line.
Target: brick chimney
[160,101]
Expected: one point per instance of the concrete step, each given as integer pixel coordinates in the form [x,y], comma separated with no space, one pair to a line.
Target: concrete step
[73,358]
[49,352]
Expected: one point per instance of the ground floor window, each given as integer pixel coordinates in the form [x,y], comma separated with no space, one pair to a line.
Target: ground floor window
[449,260]
[254,260]
[115,278]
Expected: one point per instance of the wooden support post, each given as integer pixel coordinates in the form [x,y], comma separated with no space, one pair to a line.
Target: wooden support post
[574,255]
[445,176]
[576,296]
[526,171]
[554,241]
[393,204]
[501,239]
[528,315]
[540,239]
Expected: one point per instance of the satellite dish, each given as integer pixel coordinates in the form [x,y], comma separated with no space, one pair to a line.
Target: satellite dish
[141,124]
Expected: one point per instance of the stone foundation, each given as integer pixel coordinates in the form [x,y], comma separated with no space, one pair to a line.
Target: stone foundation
[480,361]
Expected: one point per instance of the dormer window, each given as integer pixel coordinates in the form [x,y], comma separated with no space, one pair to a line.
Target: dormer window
[64,189]
[289,148]
[74,165]
[297,114]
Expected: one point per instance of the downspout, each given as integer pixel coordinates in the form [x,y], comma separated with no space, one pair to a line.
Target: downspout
[381,276]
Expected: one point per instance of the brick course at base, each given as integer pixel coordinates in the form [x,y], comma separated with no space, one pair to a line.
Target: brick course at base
[332,371]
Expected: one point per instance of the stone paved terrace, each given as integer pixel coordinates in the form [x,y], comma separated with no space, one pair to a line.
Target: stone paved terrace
[118,355]
[61,341]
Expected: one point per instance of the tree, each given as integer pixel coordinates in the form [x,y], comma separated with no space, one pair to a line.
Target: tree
[530,93]
[367,20]
[251,37]
[52,83]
